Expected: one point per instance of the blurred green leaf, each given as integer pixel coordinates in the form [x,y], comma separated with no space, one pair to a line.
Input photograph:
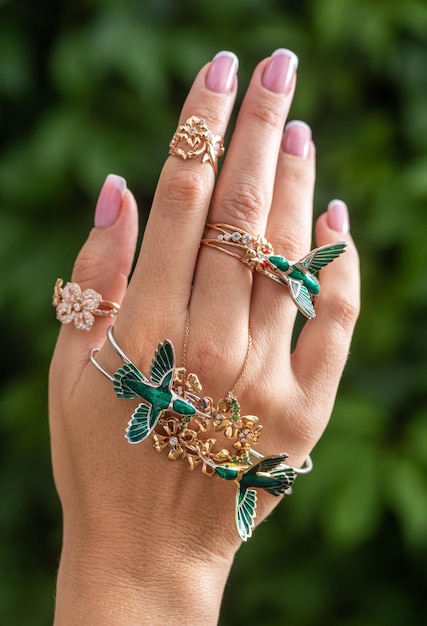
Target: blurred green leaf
[405,485]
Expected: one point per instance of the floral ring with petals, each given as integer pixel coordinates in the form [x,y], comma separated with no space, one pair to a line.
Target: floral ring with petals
[74,305]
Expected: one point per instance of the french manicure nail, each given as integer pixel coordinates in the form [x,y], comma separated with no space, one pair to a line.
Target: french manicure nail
[109,201]
[222,72]
[280,70]
[296,139]
[338,218]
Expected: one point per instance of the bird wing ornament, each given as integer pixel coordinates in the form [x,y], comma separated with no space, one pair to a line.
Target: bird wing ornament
[301,296]
[157,396]
[319,257]
[269,473]
[163,364]
[300,276]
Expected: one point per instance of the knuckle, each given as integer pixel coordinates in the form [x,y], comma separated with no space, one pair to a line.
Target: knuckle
[183,190]
[243,202]
[267,114]
[291,244]
[216,364]
[342,311]
[209,361]
[298,174]
[89,265]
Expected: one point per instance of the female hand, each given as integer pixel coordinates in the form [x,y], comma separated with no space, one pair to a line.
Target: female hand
[145,540]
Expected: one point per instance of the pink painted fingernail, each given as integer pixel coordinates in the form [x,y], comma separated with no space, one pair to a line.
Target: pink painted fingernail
[109,201]
[222,72]
[280,71]
[296,139]
[338,218]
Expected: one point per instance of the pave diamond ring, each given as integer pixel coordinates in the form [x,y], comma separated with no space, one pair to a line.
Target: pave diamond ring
[74,305]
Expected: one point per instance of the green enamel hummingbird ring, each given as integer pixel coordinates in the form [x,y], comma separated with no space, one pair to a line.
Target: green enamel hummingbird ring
[257,253]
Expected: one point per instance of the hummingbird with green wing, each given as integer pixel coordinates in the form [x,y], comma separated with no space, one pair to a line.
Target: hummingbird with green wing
[300,276]
[268,473]
[156,393]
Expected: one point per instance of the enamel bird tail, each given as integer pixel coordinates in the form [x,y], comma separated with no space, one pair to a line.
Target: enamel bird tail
[126,374]
[245,512]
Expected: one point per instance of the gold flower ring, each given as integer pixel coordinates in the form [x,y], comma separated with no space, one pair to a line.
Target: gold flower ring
[193,139]
[74,305]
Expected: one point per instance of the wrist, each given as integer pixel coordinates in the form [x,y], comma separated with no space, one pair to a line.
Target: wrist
[102,580]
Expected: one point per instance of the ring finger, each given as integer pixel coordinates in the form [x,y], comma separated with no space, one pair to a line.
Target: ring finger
[288,229]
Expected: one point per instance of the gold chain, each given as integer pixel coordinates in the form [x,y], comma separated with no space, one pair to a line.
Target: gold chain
[185,347]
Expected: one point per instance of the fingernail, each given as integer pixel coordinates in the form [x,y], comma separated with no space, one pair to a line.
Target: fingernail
[280,70]
[296,139]
[109,201]
[222,72]
[338,218]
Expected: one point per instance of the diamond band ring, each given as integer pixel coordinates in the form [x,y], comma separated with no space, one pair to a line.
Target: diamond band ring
[258,254]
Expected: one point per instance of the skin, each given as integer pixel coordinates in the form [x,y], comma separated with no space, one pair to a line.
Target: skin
[136,549]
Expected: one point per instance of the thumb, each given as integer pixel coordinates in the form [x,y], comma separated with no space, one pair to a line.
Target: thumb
[105,260]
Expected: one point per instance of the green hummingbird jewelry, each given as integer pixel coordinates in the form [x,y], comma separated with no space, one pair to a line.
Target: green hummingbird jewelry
[268,473]
[218,438]
[258,254]
[171,397]
[157,392]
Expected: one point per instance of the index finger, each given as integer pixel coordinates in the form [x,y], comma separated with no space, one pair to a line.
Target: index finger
[165,268]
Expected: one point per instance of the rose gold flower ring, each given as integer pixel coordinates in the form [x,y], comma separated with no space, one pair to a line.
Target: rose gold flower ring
[193,139]
[74,305]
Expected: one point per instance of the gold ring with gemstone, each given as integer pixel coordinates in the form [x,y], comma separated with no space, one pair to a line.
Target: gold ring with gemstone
[257,253]
[74,305]
[193,139]
[239,244]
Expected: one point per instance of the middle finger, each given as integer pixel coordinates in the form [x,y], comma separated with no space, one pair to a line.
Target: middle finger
[222,287]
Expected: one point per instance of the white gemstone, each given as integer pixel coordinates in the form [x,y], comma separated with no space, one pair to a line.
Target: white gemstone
[236,236]
[246,238]
[173,441]
[227,237]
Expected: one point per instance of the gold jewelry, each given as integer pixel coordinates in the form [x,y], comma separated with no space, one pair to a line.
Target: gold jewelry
[74,305]
[225,417]
[258,254]
[239,244]
[193,139]
[177,416]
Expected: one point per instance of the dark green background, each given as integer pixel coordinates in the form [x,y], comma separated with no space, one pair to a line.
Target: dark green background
[89,87]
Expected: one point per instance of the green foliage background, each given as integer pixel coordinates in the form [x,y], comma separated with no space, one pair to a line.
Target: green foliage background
[89,87]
